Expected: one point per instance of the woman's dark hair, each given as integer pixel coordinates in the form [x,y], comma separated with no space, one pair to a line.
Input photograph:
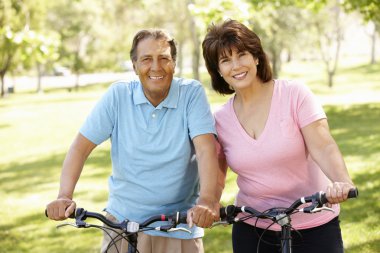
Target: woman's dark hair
[156,34]
[224,37]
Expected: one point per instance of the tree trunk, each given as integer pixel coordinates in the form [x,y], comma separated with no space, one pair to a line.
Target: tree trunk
[39,78]
[77,74]
[373,46]
[196,52]
[276,62]
[196,46]
[180,58]
[3,71]
[2,84]
[330,75]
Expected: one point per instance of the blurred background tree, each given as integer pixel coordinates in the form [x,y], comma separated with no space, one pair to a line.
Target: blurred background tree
[88,36]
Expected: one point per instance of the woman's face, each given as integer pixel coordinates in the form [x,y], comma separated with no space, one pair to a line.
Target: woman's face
[238,68]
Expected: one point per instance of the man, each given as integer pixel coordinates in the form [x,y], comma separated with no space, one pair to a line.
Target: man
[156,125]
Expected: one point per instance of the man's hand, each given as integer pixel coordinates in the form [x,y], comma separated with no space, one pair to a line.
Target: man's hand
[60,209]
[204,214]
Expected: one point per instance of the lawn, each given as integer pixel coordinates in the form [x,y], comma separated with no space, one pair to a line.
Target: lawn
[37,129]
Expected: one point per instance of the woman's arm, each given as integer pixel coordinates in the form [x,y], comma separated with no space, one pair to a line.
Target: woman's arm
[325,152]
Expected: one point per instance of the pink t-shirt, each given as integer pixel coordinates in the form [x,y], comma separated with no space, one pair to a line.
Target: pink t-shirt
[276,169]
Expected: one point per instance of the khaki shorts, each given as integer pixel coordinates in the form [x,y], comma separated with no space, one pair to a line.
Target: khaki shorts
[152,244]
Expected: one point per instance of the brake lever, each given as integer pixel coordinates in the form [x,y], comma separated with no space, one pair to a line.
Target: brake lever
[219,223]
[323,208]
[70,224]
[179,229]
[316,209]
[172,229]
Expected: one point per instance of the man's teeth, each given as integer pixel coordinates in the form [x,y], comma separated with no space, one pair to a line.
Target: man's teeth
[156,77]
[240,75]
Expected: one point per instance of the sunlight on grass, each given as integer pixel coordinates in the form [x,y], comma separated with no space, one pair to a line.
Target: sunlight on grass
[37,129]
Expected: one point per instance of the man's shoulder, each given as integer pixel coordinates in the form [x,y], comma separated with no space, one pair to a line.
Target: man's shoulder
[130,84]
[187,82]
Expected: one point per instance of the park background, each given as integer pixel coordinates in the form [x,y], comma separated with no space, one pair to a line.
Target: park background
[58,57]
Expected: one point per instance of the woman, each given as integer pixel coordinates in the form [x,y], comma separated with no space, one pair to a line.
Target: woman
[275,136]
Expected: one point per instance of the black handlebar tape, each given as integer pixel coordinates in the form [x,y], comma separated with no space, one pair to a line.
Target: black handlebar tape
[353,193]
[182,217]
[222,212]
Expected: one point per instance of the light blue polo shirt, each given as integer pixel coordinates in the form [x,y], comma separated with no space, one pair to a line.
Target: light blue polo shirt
[154,170]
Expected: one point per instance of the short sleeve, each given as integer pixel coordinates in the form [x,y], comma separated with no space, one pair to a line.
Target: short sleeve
[99,124]
[308,109]
[200,119]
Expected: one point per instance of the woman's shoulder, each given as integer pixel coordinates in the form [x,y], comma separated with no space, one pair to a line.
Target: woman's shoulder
[290,84]
[292,87]
[223,110]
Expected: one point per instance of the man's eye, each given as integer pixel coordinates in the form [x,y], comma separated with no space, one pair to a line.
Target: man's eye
[165,59]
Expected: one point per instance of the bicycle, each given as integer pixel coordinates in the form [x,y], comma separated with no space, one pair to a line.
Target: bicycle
[281,216]
[129,229]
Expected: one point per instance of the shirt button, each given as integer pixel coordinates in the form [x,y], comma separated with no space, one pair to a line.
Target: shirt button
[153,115]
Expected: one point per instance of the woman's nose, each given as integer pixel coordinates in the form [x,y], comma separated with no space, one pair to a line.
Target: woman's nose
[235,63]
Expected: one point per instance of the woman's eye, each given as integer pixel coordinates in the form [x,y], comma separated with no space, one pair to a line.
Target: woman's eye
[224,60]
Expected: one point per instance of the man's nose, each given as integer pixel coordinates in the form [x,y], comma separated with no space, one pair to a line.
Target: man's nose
[155,64]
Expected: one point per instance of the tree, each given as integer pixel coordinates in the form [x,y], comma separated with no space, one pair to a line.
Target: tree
[370,10]
[76,23]
[330,35]
[204,13]
[36,51]
[13,23]
[278,33]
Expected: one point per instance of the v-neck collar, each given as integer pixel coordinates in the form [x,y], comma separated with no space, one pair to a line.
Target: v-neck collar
[267,123]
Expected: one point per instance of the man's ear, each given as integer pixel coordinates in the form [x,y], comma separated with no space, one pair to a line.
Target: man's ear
[134,67]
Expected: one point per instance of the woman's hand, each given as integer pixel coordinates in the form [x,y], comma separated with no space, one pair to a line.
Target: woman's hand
[337,192]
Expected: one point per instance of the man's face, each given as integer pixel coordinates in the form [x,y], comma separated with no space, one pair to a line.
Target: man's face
[155,67]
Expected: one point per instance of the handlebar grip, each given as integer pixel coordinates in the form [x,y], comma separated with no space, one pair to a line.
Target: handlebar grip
[72,215]
[182,217]
[353,193]
[222,213]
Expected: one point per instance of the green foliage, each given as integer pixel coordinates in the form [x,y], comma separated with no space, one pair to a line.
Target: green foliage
[370,9]
[211,11]
[38,48]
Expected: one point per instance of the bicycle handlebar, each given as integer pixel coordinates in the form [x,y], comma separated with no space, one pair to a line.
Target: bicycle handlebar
[318,200]
[81,214]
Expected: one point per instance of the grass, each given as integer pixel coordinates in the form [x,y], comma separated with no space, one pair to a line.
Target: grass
[37,129]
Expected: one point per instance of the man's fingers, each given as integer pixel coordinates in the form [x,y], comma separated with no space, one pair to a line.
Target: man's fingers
[70,209]
[189,218]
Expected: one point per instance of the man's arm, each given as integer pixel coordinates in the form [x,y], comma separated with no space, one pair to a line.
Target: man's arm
[207,209]
[63,206]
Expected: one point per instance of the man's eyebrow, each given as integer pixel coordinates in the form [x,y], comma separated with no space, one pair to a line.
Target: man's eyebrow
[145,55]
